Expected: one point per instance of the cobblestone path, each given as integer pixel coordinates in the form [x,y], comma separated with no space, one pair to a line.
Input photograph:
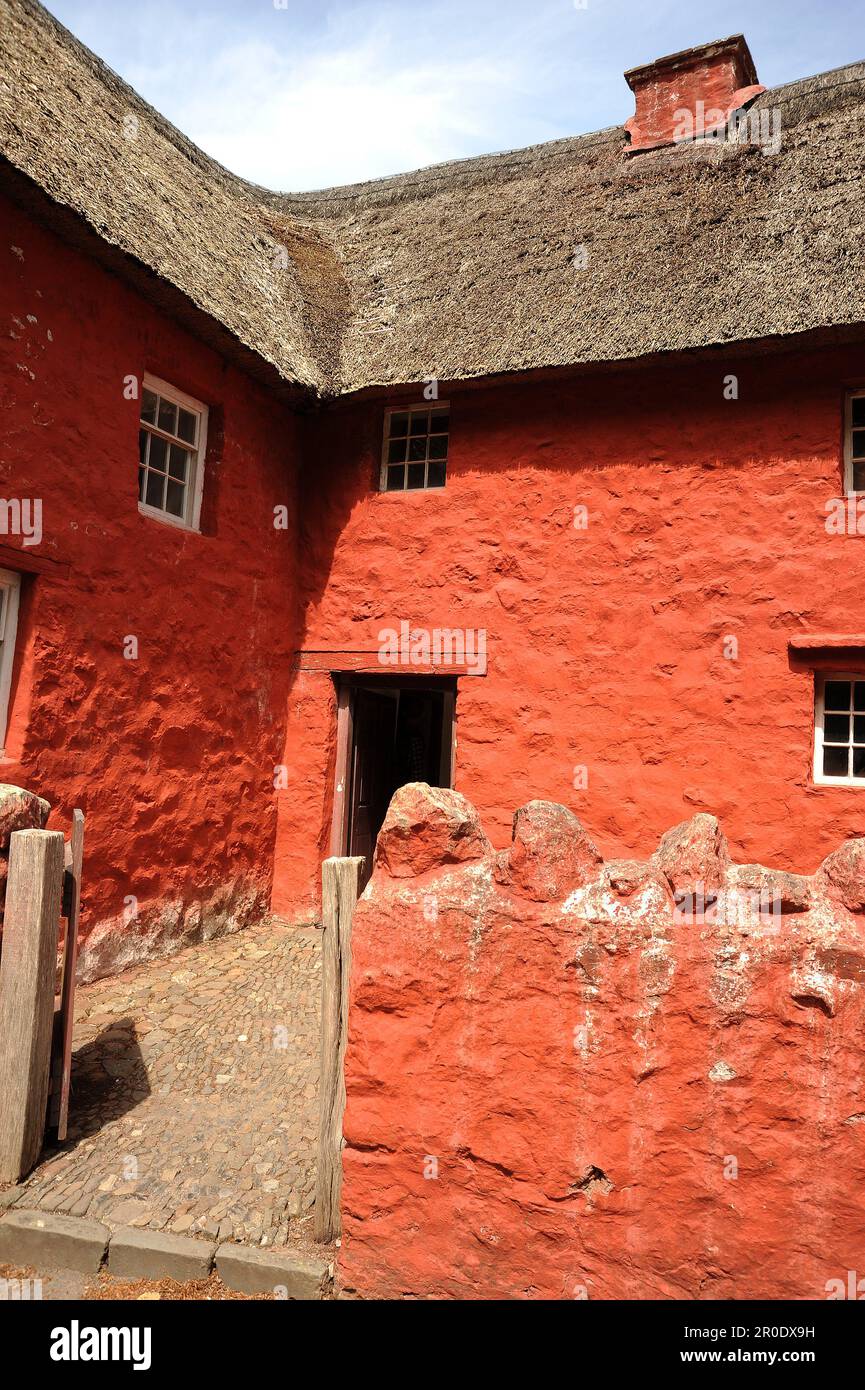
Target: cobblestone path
[194,1104]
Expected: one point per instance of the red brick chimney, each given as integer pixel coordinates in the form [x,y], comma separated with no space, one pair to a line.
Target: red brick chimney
[690,94]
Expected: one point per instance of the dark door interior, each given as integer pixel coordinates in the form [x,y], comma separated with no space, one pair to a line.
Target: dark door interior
[375,720]
[400,734]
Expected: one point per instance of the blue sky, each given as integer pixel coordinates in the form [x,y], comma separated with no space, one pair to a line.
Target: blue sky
[300,94]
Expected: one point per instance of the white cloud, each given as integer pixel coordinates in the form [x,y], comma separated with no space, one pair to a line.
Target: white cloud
[340,115]
[313,95]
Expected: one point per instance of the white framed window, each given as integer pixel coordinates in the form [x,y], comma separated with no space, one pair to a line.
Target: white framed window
[172,441]
[854,442]
[839,729]
[415,448]
[10,590]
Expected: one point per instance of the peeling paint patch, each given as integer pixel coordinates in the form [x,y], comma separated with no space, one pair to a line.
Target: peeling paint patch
[812,988]
[722,1071]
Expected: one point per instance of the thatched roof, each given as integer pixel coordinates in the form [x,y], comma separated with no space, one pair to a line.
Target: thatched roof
[465,269]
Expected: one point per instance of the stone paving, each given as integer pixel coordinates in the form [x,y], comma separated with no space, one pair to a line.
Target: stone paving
[194,1104]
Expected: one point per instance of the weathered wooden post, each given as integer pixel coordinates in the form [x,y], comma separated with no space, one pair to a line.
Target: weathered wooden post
[30,933]
[340,879]
[61,1061]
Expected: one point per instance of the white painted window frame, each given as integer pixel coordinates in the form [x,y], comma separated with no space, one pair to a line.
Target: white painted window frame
[820,679]
[195,490]
[849,490]
[10,595]
[415,408]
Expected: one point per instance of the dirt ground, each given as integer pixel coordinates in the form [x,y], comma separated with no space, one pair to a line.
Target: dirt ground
[61,1284]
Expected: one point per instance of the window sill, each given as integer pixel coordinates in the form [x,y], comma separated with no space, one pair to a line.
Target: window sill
[822,641]
[173,521]
[827,651]
[411,491]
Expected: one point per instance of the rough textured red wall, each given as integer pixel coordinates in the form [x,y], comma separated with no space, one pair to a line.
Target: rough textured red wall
[171,756]
[304,807]
[560,1087]
[606,645]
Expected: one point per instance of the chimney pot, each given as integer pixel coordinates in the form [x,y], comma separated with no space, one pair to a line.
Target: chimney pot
[706,83]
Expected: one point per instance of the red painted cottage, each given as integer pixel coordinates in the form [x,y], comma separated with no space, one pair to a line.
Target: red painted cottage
[535,474]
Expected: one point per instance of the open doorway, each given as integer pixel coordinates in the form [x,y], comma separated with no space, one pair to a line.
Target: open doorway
[392,730]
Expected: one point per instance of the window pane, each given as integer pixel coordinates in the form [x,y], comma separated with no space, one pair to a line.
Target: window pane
[835,762]
[859,729]
[416,473]
[859,762]
[859,477]
[158,453]
[859,695]
[836,728]
[142,475]
[153,494]
[148,406]
[174,498]
[142,445]
[858,404]
[859,444]
[177,458]
[186,423]
[417,448]
[167,418]
[837,695]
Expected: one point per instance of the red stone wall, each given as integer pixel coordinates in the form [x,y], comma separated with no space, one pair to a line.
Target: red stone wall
[605,645]
[304,807]
[562,1085]
[171,756]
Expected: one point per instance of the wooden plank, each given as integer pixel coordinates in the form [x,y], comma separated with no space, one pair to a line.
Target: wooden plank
[339,883]
[16,558]
[449,739]
[27,971]
[335,662]
[339,819]
[70,961]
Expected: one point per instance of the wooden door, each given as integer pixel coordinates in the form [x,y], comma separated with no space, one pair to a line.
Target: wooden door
[374,727]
